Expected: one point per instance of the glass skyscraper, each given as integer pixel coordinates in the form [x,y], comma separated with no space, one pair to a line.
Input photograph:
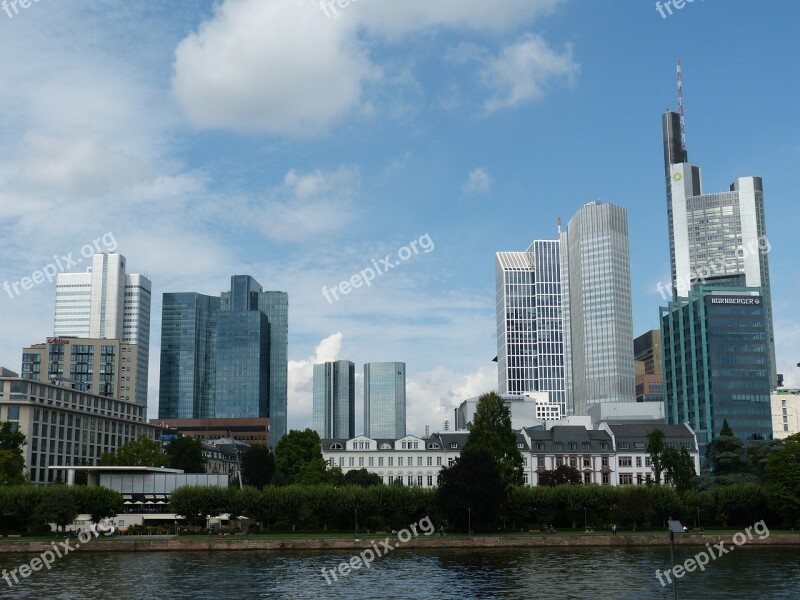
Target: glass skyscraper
[335,400]
[714,238]
[385,400]
[530,346]
[226,357]
[596,302]
[716,362]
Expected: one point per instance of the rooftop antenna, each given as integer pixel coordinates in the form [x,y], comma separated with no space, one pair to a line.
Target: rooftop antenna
[680,107]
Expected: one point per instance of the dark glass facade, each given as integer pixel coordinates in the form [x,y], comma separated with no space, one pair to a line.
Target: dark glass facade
[717,362]
[226,357]
[188,365]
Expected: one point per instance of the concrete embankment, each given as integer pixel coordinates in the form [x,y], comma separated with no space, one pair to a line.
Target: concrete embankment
[187,544]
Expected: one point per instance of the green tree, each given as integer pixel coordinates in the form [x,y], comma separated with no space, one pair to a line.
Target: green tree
[258,466]
[491,433]
[726,455]
[655,448]
[99,502]
[298,460]
[679,468]
[783,480]
[12,462]
[758,453]
[195,504]
[141,452]
[186,453]
[472,487]
[362,477]
[726,430]
[563,475]
[57,505]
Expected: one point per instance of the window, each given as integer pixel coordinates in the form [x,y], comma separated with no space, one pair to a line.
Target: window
[430,480]
[603,445]
[559,462]
[380,461]
[646,461]
[606,480]
[638,461]
[454,445]
[525,478]
[433,446]
[370,461]
[438,461]
[626,479]
[391,479]
[391,461]
[573,462]
[520,445]
[450,462]
[604,461]
[404,445]
[639,445]
[430,461]
[539,446]
[419,462]
[336,447]
[587,445]
[341,461]
[573,446]
[624,445]
[419,480]
[587,462]
[410,480]
[399,461]
[559,446]
[352,462]
[625,461]
[540,462]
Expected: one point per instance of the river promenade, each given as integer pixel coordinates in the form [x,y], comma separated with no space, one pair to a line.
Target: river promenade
[309,542]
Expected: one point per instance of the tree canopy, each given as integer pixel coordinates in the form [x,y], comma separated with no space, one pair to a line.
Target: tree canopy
[258,466]
[12,462]
[186,453]
[783,479]
[362,477]
[298,460]
[141,452]
[471,488]
[491,433]
[563,475]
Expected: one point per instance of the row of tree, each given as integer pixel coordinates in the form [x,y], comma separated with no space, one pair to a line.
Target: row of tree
[29,508]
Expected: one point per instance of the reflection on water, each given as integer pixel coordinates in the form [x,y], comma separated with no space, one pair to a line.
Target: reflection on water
[530,573]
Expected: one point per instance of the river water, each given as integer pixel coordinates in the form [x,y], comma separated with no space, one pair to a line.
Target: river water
[529,574]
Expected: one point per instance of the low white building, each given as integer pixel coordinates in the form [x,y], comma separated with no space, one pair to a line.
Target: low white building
[530,409]
[785,413]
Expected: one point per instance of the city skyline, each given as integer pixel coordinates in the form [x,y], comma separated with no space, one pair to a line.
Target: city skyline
[510,116]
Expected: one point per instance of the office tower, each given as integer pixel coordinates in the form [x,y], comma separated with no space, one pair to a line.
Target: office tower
[596,304]
[188,356]
[530,346]
[226,357]
[718,238]
[101,367]
[335,400]
[385,400]
[648,366]
[106,303]
[716,362]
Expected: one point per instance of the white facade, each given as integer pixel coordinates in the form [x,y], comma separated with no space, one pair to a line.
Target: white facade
[105,303]
[785,414]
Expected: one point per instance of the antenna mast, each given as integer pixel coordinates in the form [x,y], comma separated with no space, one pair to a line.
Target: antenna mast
[680,108]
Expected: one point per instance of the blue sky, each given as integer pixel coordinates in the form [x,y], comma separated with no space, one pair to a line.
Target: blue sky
[264,137]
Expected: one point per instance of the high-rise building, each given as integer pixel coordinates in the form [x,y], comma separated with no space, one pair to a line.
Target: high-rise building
[716,362]
[596,304]
[101,367]
[385,400]
[106,303]
[335,399]
[715,239]
[226,357]
[188,356]
[647,354]
[530,345]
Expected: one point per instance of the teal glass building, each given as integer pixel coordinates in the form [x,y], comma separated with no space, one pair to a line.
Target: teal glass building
[335,400]
[226,357]
[385,400]
[717,363]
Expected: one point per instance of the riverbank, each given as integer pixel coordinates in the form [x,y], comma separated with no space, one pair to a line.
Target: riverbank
[189,544]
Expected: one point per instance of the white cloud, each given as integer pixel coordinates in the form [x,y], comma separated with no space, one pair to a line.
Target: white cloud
[308,206]
[283,68]
[301,377]
[522,71]
[478,182]
[277,67]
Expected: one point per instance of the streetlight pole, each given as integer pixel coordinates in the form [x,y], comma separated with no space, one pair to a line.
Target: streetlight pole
[356,521]
[469,517]
[585,520]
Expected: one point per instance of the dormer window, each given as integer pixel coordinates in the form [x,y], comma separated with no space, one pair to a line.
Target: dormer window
[336,446]
[520,445]
[454,445]
[433,446]
[386,446]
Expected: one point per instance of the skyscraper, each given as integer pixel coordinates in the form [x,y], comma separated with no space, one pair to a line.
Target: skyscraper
[530,345]
[596,303]
[385,400]
[718,239]
[716,362]
[226,357]
[335,399]
[106,303]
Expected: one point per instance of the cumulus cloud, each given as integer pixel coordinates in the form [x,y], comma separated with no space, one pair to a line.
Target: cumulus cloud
[309,205]
[301,377]
[283,68]
[478,182]
[523,70]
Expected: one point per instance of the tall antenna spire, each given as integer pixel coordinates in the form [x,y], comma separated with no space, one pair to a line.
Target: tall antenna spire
[680,108]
